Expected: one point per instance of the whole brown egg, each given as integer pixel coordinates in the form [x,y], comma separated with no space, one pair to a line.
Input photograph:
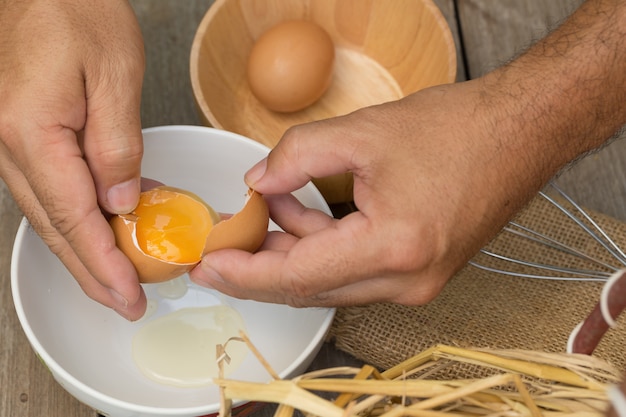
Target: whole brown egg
[291,65]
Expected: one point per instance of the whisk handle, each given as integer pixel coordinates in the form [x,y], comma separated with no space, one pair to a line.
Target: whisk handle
[602,317]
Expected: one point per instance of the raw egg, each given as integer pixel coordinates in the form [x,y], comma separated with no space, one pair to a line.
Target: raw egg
[180,348]
[291,65]
[171,229]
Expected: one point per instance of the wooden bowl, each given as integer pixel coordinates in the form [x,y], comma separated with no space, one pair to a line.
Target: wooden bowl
[383,51]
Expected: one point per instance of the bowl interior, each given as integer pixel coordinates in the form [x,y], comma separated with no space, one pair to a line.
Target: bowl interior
[88,347]
[383,52]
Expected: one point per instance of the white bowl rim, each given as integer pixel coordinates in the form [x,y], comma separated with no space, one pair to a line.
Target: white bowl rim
[57,369]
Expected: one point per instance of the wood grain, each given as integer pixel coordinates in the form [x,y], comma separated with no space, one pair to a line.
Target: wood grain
[168,27]
[372,64]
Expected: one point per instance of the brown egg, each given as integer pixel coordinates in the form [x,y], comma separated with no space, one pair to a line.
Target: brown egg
[291,65]
[171,229]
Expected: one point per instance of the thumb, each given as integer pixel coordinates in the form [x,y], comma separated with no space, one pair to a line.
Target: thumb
[313,150]
[113,142]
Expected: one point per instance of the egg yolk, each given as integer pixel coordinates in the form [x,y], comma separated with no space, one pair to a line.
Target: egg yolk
[172,226]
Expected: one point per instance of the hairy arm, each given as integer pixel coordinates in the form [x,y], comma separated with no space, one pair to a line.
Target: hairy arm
[437,173]
[565,95]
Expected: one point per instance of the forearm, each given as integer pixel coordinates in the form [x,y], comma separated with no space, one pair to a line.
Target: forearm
[566,94]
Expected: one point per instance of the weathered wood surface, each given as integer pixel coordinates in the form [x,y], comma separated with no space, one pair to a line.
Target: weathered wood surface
[488,33]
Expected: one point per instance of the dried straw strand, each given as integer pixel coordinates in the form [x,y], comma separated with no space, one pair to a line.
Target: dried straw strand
[529,384]
[258,355]
[483,358]
[364,373]
[280,392]
[528,401]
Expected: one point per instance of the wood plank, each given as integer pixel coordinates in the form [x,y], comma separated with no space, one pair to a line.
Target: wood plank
[495,31]
[448,9]
[168,28]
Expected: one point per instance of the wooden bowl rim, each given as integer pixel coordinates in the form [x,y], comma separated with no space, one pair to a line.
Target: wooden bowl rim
[213,10]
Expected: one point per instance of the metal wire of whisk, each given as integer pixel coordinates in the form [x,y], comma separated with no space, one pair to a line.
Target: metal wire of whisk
[534,247]
[567,262]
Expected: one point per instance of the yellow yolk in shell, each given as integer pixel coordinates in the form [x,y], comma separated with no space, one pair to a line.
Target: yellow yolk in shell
[172,226]
[171,229]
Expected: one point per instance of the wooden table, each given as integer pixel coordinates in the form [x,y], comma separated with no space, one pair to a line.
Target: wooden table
[487,33]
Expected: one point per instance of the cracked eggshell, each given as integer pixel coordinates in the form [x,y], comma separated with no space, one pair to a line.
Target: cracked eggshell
[245,230]
[242,230]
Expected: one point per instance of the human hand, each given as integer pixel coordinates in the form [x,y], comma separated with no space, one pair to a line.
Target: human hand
[70,133]
[437,174]
[432,187]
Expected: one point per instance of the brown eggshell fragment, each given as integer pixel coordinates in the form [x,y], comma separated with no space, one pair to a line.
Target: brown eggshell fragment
[149,269]
[245,230]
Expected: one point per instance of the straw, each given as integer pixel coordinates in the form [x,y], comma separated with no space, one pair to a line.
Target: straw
[526,383]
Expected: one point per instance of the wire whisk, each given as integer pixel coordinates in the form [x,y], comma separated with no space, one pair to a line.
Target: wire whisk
[536,248]
[567,262]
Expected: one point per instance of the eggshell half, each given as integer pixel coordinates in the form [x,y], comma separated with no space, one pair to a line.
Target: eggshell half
[245,230]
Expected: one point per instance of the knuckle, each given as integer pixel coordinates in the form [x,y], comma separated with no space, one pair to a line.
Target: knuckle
[416,262]
[129,151]
[295,288]
[48,232]
[419,293]
[408,254]
[65,223]
[417,246]
[71,219]
[295,302]
[119,64]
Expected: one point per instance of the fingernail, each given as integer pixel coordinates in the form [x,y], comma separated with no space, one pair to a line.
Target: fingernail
[255,173]
[122,198]
[119,300]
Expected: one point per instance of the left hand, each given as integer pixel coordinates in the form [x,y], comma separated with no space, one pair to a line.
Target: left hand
[70,133]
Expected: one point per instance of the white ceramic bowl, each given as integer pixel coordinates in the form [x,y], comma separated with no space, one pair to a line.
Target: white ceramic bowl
[87,347]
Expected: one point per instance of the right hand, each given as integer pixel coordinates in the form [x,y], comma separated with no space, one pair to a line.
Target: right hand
[70,133]
[433,182]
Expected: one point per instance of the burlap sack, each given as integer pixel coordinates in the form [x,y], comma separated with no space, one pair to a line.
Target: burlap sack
[490,310]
